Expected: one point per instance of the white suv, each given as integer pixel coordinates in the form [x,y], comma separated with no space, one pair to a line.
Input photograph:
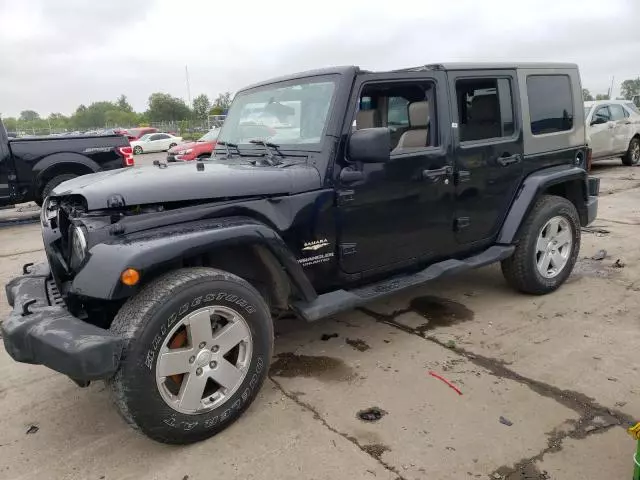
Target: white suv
[613,129]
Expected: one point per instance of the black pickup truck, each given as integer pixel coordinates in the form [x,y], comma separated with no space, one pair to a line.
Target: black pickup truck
[31,167]
[164,280]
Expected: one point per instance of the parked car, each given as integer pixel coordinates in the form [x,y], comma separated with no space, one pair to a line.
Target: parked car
[155,142]
[613,130]
[201,148]
[168,277]
[31,167]
[134,134]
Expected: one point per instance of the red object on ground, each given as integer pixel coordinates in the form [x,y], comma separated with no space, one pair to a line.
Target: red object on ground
[442,379]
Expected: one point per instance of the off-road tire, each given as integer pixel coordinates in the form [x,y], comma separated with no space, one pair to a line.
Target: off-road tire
[51,184]
[628,159]
[137,150]
[142,322]
[520,269]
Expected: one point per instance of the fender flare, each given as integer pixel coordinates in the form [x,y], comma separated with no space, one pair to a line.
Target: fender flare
[45,165]
[531,188]
[150,250]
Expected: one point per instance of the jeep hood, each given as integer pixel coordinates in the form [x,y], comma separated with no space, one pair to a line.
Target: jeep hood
[183,182]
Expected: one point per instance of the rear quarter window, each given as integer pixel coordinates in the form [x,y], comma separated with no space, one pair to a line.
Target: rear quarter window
[550,103]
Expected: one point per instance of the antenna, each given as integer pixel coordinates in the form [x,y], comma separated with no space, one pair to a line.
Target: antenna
[186,72]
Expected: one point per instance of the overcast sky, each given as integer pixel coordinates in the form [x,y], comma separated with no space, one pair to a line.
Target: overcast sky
[57,54]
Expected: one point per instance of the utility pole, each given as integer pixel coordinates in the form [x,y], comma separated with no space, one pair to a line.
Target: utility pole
[186,72]
[611,87]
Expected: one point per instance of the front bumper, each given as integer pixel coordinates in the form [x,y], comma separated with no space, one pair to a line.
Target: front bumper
[40,330]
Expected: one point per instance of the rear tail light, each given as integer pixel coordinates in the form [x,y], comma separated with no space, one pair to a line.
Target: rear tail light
[127,156]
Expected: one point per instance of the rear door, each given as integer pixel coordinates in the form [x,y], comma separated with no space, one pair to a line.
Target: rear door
[488,151]
[622,130]
[601,132]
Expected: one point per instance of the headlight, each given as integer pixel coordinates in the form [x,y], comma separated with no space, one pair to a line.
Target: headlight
[184,152]
[78,243]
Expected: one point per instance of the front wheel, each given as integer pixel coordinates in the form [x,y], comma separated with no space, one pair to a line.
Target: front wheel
[547,248]
[632,157]
[197,348]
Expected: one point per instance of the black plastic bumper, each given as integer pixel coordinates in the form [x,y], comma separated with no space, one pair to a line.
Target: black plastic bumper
[592,202]
[42,331]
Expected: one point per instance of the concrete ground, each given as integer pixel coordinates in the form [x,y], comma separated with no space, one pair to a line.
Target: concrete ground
[548,383]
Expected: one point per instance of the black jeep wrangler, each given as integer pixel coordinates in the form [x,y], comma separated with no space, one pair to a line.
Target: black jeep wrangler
[164,280]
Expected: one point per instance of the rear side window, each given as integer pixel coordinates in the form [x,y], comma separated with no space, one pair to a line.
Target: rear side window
[485,108]
[617,112]
[550,103]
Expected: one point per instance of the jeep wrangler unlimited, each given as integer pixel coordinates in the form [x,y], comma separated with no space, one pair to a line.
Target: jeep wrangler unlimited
[164,280]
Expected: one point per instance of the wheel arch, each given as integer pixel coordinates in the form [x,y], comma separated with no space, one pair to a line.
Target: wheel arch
[565,181]
[60,164]
[242,246]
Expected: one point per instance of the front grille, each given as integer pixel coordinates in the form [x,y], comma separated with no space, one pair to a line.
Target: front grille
[55,297]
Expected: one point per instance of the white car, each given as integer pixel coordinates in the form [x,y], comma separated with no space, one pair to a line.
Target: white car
[155,142]
[613,130]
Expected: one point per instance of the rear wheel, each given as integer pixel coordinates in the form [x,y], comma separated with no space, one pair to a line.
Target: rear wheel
[198,344]
[51,184]
[137,149]
[547,248]
[632,157]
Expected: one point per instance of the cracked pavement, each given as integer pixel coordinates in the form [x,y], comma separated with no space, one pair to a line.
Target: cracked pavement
[548,383]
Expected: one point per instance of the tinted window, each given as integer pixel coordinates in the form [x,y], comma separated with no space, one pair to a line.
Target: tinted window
[601,115]
[485,109]
[617,112]
[550,103]
[161,136]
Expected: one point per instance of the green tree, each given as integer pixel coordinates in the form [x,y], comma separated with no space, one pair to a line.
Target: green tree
[164,107]
[223,102]
[586,95]
[201,106]
[123,104]
[216,111]
[10,124]
[602,96]
[58,122]
[29,115]
[630,88]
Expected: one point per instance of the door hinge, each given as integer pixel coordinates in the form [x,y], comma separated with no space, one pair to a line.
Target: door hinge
[347,249]
[462,222]
[345,196]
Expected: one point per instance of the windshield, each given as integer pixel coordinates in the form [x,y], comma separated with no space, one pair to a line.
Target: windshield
[144,138]
[210,136]
[290,113]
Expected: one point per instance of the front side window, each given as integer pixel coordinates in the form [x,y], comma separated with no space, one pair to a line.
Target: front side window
[550,103]
[290,113]
[485,109]
[601,115]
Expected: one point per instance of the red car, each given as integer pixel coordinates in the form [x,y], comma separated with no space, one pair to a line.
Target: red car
[135,133]
[190,151]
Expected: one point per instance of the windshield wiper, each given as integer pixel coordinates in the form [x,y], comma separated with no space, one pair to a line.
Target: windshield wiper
[226,145]
[270,157]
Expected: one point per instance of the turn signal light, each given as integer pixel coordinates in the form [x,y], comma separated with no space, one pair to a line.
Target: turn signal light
[130,277]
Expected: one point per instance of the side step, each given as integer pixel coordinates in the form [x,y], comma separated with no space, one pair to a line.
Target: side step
[340,300]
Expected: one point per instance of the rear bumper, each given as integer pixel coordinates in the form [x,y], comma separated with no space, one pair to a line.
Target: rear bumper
[592,201]
[40,330]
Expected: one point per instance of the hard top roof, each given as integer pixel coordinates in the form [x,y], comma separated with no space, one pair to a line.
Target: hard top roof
[353,69]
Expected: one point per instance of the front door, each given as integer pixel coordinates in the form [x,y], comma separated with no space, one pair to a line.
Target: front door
[601,132]
[5,170]
[488,152]
[400,211]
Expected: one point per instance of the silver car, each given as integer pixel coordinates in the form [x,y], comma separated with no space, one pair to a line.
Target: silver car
[613,130]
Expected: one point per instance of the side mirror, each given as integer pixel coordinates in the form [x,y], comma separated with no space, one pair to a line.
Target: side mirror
[370,145]
[598,121]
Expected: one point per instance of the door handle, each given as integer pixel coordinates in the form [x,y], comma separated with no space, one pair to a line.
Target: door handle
[435,173]
[505,161]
